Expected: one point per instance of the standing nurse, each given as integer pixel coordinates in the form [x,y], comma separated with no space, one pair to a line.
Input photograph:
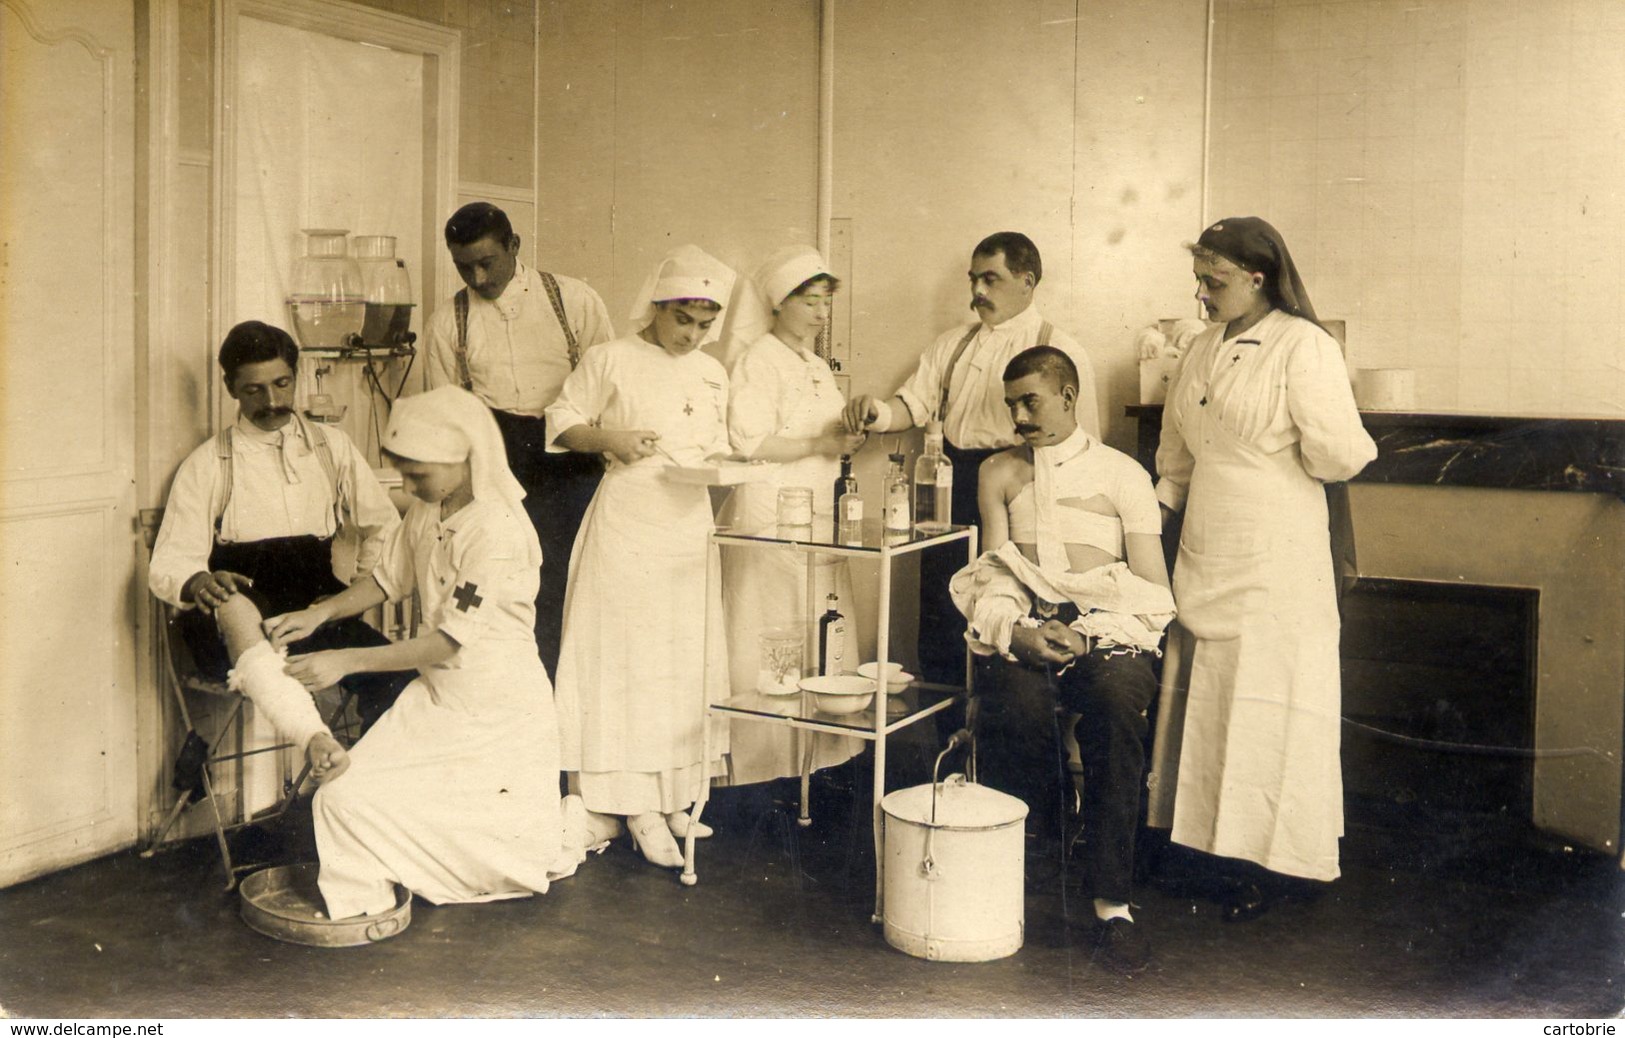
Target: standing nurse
[634,655]
[1260,418]
[786,410]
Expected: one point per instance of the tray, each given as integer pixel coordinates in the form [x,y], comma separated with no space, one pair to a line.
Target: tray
[284,902]
[719,473]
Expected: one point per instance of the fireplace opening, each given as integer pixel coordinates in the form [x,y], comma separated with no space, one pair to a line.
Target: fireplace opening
[1439,707]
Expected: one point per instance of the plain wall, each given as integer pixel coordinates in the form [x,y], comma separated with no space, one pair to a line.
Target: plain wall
[662,125]
[1446,174]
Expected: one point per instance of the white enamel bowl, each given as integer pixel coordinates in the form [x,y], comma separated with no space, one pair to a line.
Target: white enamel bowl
[840,693]
[897,679]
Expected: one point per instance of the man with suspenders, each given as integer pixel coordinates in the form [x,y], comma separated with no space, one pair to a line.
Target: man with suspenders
[256,509]
[511,337]
[960,383]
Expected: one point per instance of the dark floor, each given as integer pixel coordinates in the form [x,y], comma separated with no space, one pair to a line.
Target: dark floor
[1452,917]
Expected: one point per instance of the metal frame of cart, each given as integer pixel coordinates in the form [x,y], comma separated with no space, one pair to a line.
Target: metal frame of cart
[919,701]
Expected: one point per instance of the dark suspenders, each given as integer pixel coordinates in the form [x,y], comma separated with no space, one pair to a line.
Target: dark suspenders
[324,454]
[554,296]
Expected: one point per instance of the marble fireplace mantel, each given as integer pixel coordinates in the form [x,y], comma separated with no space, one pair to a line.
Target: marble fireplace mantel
[1528,502]
[1586,455]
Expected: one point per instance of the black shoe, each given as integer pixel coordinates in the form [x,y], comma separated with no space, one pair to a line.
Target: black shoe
[1121,946]
[1244,901]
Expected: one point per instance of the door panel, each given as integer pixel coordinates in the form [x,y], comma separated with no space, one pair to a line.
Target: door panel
[68,587]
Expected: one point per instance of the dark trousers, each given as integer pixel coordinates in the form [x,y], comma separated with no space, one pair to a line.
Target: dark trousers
[558,489]
[289,573]
[1018,750]
[942,626]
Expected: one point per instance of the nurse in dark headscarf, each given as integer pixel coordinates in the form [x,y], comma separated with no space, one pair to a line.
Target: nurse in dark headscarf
[1259,420]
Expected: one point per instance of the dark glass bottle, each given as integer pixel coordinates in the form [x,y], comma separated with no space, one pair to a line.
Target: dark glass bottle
[832,638]
[845,482]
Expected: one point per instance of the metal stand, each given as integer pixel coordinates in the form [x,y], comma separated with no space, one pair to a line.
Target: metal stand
[921,700]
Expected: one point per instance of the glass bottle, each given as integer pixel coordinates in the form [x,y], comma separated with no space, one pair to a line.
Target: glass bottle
[848,505]
[325,300]
[832,638]
[896,497]
[845,481]
[387,290]
[933,484]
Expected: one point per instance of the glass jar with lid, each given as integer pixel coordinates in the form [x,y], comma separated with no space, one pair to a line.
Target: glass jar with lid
[387,290]
[325,300]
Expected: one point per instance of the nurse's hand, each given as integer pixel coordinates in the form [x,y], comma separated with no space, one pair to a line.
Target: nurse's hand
[292,627]
[632,445]
[319,670]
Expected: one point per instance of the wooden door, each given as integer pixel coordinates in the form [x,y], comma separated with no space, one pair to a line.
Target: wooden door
[69,597]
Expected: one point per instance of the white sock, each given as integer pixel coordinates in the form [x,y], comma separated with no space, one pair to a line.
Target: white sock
[1106,910]
[280,697]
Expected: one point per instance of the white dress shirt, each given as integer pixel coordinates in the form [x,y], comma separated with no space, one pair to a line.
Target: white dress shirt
[517,354]
[977,418]
[280,489]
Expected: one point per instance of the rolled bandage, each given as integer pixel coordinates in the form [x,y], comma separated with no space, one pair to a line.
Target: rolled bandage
[883,414]
[280,697]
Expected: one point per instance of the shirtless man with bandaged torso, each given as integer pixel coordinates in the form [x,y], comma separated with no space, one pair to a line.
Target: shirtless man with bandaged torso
[1066,607]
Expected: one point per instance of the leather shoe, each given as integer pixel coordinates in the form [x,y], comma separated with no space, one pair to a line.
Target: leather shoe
[1244,901]
[654,840]
[679,822]
[1121,946]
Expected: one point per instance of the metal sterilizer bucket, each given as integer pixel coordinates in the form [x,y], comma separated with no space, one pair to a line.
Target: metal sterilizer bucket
[954,853]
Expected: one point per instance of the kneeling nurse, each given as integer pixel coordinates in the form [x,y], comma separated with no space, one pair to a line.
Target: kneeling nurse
[454,793]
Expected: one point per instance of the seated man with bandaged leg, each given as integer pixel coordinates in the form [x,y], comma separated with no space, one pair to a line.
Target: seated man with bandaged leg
[257,509]
[1066,609]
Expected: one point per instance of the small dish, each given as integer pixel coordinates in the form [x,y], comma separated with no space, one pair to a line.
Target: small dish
[840,693]
[897,679]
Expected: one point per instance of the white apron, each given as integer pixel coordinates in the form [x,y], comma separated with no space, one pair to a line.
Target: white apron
[1249,730]
[454,792]
[766,588]
[633,653]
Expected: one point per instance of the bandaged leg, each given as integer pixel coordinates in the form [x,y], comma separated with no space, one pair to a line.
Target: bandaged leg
[281,699]
[257,672]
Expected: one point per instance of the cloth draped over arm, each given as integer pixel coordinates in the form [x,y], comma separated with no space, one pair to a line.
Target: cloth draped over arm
[1116,607]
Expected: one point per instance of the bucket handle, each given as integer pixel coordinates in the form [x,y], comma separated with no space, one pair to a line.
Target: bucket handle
[955,741]
[928,861]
